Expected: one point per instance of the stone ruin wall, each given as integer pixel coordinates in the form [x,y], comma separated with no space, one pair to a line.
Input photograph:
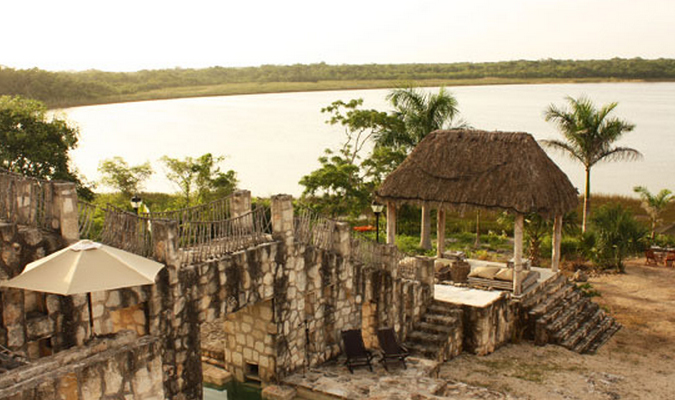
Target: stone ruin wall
[119,368]
[303,295]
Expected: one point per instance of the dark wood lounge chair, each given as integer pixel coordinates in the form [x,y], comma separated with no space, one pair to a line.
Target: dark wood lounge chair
[391,349]
[355,350]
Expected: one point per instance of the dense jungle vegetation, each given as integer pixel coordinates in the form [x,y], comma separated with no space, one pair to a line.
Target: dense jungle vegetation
[60,89]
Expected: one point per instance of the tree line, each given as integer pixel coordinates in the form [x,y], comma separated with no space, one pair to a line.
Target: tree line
[93,86]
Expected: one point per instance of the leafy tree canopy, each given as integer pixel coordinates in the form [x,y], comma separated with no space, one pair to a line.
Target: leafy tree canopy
[35,144]
[200,179]
[117,174]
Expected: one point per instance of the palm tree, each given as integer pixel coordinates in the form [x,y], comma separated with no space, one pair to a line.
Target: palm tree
[654,204]
[421,114]
[589,134]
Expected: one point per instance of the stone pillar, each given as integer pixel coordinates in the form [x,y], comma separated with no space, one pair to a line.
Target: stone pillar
[240,203]
[440,233]
[282,218]
[25,207]
[391,222]
[65,208]
[518,227]
[555,245]
[425,234]
[173,315]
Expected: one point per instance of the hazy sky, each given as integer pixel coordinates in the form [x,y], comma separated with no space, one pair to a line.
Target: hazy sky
[128,35]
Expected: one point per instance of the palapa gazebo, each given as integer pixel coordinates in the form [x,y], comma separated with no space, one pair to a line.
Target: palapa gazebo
[459,168]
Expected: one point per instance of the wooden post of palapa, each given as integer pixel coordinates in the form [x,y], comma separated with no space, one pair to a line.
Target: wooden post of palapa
[517,253]
[555,245]
[440,233]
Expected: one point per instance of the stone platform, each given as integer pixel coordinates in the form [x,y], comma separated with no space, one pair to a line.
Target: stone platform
[419,381]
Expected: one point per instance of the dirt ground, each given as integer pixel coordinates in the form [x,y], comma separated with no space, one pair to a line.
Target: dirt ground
[637,363]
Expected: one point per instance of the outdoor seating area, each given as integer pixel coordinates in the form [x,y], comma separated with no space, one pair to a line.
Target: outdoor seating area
[660,256]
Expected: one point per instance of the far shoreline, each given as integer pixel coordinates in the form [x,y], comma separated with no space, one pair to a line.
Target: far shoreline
[250,88]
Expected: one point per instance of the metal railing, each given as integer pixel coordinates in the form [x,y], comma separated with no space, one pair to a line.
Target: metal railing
[216,210]
[85,219]
[313,229]
[127,231]
[201,241]
[25,200]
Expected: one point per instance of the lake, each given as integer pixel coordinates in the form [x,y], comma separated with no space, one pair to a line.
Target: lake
[272,140]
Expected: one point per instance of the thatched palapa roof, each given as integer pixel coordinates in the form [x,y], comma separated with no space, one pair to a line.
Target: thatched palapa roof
[494,170]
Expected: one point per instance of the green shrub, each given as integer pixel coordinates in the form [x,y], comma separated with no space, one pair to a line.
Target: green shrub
[614,235]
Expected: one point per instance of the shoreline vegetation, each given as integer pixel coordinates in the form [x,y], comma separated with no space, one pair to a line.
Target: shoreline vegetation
[70,89]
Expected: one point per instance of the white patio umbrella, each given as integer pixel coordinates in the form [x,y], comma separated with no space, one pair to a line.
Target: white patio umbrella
[86,267]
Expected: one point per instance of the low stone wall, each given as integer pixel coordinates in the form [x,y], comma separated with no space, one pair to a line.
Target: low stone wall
[487,328]
[122,367]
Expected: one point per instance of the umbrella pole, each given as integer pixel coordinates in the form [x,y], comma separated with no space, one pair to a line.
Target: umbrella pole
[91,315]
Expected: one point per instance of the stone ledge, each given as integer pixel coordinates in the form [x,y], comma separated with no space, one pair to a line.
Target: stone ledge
[275,392]
[68,361]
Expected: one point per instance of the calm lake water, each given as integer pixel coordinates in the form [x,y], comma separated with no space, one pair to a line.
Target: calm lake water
[272,140]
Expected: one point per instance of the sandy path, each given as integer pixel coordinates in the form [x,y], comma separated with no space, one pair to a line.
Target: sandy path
[637,363]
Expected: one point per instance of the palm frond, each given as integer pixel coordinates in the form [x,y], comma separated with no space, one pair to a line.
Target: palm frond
[618,154]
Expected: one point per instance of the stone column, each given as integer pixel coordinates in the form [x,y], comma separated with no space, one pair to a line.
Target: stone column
[440,233]
[555,245]
[282,218]
[240,203]
[25,207]
[391,222]
[518,227]
[65,208]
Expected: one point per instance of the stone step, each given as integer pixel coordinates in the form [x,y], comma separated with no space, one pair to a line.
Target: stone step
[542,292]
[605,336]
[551,301]
[446,329]
[438,319]
[431,353]
[593,335]
[441,308]
[589,322]
[573,320]
[428,339]
[558,317]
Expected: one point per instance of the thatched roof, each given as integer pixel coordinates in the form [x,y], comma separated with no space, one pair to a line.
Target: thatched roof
[494,170]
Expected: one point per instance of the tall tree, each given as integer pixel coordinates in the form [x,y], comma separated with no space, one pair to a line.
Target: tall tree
[344,183]
[201,175]
[421,114]
[117,174]
[589,137]
[654,204]
[35,144]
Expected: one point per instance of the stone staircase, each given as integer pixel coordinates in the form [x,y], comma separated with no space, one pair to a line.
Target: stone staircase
[439,334]
[559,313]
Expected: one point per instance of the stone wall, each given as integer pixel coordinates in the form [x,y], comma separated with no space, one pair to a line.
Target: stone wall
[487,328]
[294,297]
[395,295]
[33,323]
[118,368]
[249,348]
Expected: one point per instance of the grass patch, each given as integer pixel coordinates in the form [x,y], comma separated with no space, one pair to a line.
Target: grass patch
[227,89]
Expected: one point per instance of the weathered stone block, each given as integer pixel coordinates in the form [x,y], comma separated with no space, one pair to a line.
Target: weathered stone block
[275,392]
